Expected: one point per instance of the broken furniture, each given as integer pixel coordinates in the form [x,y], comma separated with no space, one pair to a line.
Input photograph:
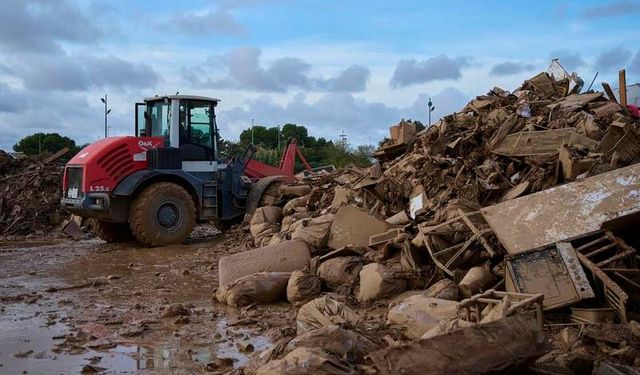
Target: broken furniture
[447,259]
[621,142]
[607,257]
[553,271]
[566,211]
[514,303]
[402,135]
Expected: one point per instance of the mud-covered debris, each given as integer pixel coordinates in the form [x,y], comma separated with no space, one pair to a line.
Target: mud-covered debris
[286,256]
[303,286]
[323,312]
[30,192]
[261,287]
[415,315]
[485,348]
[307,361]
[378,281]
[339,271]
[336,340]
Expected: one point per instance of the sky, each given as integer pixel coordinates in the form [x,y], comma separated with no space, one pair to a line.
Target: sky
[331,65]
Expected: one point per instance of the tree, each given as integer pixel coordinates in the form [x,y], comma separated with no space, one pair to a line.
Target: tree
[38,143]
[262,136]
[300,133]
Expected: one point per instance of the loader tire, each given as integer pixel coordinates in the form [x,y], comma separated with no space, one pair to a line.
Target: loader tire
[111,232]
[164,213]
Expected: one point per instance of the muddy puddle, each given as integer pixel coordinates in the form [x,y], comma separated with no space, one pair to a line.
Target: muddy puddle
[28,345]
[46,305]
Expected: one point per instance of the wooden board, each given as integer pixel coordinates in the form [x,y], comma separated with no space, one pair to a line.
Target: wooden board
[543,142]
[565,211]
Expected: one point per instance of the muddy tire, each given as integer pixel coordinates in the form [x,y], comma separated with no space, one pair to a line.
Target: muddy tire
[164,213]
[111,232]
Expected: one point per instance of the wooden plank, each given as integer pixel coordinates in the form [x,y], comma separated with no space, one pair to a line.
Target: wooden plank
[609,92]
[566,211]
[543,142]
[56,155]
[622,82]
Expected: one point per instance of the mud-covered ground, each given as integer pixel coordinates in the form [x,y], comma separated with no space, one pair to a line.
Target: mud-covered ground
[72,306]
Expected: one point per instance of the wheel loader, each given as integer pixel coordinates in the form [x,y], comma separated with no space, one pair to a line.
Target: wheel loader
[156,185]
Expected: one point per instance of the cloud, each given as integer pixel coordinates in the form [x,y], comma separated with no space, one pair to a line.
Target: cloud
[40,26]
[411,71]
[10,100]
[352,79]
[616,8]
[242,69]
[569,60]
[51,73]
[217,21]
[510,68]
[77,73]
[245,3]
[634,64]
[613,59]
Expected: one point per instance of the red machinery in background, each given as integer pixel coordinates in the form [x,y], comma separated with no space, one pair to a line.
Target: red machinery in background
[256,170]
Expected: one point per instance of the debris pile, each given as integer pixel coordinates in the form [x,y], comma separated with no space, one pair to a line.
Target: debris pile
[30,194]
[461,238]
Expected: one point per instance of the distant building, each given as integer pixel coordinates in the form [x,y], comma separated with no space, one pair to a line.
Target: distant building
[633,94]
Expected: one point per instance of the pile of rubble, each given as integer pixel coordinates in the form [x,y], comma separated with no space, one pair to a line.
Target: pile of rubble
[500,226]
[30,194]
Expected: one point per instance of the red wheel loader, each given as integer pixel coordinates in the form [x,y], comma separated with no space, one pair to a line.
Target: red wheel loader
[156,185]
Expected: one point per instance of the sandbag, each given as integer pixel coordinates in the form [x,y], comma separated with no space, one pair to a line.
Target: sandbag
[262,287]
[377,282]
[323,312]
[335,340]
[304,285]
[296,190]
[262,233]
[443,289]
[290,206]
[314,231]
[476,280]
[307,361]
[418,314]
[287,256]
[340,271]
[266,214]
[258,229]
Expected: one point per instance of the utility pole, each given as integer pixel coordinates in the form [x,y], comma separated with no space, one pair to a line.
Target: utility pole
[252,142]
[278,137]
[106,112]
[343,138]
[431,108]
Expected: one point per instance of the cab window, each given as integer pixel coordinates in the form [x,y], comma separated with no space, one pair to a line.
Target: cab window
[159,119]
[196,124]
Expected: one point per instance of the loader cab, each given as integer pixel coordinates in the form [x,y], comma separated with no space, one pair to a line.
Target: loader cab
[185,122]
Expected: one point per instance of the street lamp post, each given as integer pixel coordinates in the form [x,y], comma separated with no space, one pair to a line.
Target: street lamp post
[106,112]
[252,142]
[431,109]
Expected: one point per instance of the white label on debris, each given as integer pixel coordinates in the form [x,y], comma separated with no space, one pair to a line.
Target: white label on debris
[415,205]
[72,193]
[141,156]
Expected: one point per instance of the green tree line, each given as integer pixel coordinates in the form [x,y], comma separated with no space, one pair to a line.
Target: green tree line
[317,151]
